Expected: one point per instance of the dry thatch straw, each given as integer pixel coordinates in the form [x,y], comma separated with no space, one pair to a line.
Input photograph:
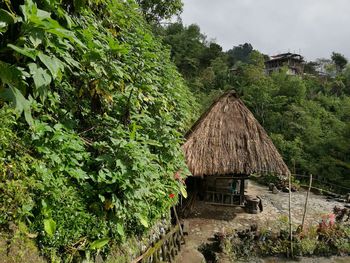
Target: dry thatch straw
[227,140]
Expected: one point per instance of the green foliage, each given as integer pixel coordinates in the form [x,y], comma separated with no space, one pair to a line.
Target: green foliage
[334,240]
[155,10]
[339,60]
[201,62]
[239,54]
[100,243]
[187,47]
[50,227]
[89,150]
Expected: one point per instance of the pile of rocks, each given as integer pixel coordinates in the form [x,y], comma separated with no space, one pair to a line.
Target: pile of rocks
[281,187]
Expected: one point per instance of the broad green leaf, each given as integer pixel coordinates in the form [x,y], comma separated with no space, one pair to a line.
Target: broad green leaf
[3,27]
[36,36]
[28,9]
[42,80]
[68,20]
[28,52]
[78,174]
[10,75]
[53,64]
[20,103]
[102,198]
[100,243]
[143,221]
[7,17]
[183,191]
[42,19]
[43,14]
[120,230]
[50,227]
[133,131]
[153,143]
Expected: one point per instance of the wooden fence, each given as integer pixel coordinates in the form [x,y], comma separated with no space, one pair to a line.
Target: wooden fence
[165,249]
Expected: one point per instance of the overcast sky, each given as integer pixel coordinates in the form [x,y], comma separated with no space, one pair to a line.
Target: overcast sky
[313,27]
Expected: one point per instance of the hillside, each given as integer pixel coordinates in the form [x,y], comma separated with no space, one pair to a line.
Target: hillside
[92,116]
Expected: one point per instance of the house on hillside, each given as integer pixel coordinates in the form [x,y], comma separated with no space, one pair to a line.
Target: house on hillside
[225,146]
[294,63]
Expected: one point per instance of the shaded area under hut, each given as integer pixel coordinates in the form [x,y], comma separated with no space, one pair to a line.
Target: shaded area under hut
[224,147]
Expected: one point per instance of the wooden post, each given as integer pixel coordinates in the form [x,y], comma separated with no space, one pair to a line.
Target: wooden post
[178,222]
[306,200]
[163,250]
[241,192]
[290,214]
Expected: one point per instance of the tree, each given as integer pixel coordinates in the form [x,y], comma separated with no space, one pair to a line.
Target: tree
[339,60]
[156,10]
[239,53]
[211,52]
[310,68]
[187,45]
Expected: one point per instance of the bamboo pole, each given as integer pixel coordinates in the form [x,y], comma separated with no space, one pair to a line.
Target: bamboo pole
[290,214]
[306,200]
[178,222]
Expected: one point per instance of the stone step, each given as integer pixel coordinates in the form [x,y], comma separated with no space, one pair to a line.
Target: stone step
[189,255]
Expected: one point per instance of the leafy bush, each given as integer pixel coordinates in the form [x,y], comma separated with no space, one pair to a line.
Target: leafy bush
[324,240]
[89,152]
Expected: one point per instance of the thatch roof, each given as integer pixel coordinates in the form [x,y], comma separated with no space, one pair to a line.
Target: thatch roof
[227,139]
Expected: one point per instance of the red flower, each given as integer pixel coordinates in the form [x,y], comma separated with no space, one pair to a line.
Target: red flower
[177,175]
[171,195]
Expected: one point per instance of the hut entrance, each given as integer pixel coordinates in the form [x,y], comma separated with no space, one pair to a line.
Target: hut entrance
[228,190]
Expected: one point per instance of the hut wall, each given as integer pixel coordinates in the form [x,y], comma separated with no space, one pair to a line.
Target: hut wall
[224,184]
[225,190]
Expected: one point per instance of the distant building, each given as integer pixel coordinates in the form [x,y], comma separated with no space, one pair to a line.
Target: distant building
[294,63]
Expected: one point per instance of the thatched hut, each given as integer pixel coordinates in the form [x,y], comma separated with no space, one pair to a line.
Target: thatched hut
[225,146]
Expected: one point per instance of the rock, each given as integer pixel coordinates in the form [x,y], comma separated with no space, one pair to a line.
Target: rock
[99,259]
[285,189]
[340,200]
[271,186]
[347,197]
[333,195]
[190,255]
[275,190]
[294,188]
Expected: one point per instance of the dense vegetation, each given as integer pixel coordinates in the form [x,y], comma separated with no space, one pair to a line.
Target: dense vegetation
[330,237]
[307,117]
[92,116]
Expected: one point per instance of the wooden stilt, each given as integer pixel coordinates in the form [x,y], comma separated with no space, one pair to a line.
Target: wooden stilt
[290,215]
[241,192]
[306,200]
[178,221]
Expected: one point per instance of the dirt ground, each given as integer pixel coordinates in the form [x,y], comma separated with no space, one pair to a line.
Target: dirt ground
[206,220]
